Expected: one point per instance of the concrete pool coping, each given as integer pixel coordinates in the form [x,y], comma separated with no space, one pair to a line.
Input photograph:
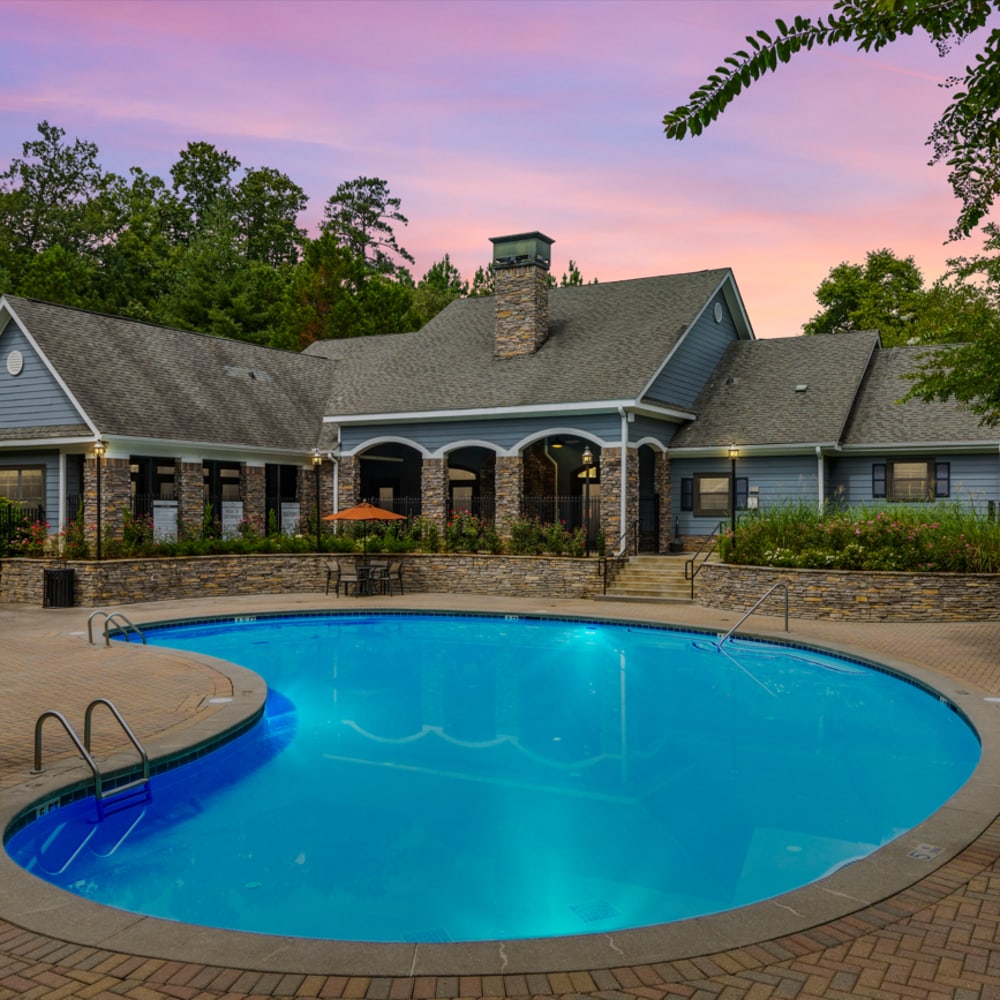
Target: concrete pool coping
[853,892]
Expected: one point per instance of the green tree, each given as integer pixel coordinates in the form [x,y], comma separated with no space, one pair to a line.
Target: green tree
[571,278]
[967,135]
[136,265]
[887,294]
[483,282]
[439,287]
[360,216]
[266,205]
[965,368]
[882,294]
[320,301]
[202,179]
[55,195]
[215,290]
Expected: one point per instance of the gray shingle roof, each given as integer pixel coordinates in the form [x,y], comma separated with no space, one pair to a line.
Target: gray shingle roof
[140,380]
[880,419]
[752,399]
[605,342]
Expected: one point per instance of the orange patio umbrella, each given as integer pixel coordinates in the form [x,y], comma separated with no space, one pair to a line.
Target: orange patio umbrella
[365,512]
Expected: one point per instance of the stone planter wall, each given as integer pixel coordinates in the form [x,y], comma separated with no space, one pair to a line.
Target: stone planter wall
[846,595]
[126,581]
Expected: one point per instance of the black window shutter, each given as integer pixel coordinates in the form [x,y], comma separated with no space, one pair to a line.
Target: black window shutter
[878,480]
[942,479]
[687,494]
[742,490]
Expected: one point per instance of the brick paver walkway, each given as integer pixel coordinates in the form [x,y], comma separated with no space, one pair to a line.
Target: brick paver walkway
[940,938]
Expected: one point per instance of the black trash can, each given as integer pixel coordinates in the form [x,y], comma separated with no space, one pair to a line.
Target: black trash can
[58,588]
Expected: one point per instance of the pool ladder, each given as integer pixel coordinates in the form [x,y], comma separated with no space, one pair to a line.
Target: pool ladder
[111,617]
[118,796]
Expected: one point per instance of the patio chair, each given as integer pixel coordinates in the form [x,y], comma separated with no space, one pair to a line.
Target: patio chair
[378,580]
[394,574]
[336,577]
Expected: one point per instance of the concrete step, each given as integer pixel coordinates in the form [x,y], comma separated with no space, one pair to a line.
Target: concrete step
[652,578]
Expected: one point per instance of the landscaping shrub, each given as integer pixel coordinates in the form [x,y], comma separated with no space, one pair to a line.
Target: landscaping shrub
[462,532]
[924,538]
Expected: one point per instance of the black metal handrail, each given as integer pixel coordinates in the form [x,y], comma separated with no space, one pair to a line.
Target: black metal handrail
[628,545]
[691,566]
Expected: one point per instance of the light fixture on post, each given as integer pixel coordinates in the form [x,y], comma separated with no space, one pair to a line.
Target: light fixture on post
[588,464]
[317,460]
[734,453]
[100,450]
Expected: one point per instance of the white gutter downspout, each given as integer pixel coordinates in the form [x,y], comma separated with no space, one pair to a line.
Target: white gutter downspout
[623,507]
[61,509]
[820,478]
[555,472]
[334,455]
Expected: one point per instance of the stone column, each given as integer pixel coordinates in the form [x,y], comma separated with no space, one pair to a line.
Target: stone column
[662,486]
[116,497]
[509,491]
[488,488]
[252,493]
[611,484]
[631,495]
[189,481]
[349,486]
[434,489]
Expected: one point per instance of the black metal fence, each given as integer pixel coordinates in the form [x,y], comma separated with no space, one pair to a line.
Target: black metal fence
[407,506]
[570,511]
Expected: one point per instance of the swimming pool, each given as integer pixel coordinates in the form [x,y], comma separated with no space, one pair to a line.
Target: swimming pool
[619,776]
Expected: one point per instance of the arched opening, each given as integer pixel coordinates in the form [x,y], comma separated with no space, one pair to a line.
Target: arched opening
[472,481]
[390,477]
[556,490]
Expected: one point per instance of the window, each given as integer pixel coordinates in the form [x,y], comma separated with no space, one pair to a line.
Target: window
[25,484]
[707,494]
[911,481]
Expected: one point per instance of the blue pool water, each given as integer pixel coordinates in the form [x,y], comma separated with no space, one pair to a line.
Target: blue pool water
[449,778]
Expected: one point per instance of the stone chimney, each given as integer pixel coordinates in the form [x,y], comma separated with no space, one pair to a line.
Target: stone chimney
[521,292]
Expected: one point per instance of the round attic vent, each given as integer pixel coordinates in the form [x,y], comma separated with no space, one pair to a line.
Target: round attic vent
[15,363]
[718,312]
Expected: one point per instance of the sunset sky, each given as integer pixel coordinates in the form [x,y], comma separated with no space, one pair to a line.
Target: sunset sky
[490,118]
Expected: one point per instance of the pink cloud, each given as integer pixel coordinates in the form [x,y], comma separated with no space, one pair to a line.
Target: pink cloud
[492,117]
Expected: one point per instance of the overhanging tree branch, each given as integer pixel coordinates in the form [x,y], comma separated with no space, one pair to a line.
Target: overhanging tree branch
[967,136]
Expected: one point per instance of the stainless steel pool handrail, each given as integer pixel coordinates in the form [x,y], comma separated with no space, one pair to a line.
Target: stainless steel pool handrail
[84,750]
[71,733]
[770,591]
[87,728]
[109,617]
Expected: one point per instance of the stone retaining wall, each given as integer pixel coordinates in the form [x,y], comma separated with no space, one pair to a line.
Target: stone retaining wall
[847,595]
[126,581]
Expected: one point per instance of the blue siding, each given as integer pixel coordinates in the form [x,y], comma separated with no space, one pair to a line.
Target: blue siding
[33,398]
[648,427]
[786,479]
[695,359]
[975,479]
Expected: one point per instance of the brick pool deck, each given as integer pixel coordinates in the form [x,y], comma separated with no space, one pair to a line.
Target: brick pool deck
[939,937]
